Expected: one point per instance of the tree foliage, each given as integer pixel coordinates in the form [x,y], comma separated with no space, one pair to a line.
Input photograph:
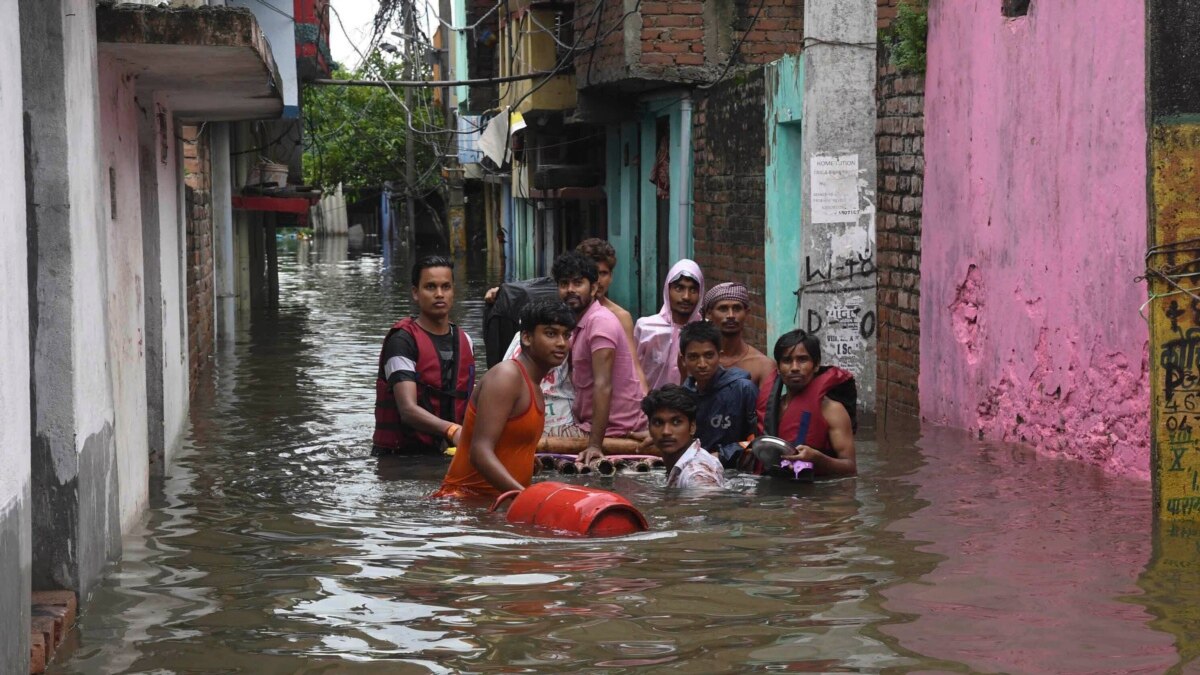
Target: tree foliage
[357,135]
[907,35]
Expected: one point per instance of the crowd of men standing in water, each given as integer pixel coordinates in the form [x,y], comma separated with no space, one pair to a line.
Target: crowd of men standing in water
[682,383]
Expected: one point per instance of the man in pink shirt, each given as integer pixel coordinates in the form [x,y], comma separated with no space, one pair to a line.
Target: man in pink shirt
[608,393]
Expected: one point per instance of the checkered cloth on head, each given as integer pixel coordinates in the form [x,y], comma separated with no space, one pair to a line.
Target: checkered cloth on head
[729,290]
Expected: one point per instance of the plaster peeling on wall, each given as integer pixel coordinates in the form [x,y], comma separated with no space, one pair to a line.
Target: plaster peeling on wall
[1086,405]
[964,312]
[1035,308]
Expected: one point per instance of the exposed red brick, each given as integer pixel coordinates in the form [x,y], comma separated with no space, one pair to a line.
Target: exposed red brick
[37,654]
[729,190]
[899,129]
[199,254]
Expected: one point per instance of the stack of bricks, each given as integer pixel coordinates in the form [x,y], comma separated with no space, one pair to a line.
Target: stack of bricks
[729,190]
[900,135]
[52,616]
[199,251]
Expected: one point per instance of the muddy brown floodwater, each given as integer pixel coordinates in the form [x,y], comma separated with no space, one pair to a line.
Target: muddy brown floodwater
[279,545]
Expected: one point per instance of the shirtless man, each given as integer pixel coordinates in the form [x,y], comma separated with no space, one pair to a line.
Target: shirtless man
[726,305]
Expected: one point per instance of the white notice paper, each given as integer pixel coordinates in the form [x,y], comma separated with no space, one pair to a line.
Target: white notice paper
[834,188]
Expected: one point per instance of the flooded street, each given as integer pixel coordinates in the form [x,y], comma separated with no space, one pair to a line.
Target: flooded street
[278,545]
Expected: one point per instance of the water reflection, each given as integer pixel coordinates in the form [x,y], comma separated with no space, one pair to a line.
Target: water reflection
[279,546]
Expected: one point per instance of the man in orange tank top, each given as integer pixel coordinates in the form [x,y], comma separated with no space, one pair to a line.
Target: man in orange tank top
[506,415]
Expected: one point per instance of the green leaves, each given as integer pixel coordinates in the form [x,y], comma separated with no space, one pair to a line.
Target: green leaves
[357,135]
[907,35]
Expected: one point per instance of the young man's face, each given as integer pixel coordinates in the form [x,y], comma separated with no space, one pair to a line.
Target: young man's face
[604,278]
[547,344]
[578,293]
[700,362]
[797,368]
[672,432]
[434,292]
[729,316]
[683,294]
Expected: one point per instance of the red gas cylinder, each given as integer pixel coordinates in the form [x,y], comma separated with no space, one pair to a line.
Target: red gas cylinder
[586,511]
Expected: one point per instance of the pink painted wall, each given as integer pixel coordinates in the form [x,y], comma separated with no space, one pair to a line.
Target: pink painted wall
[1035,227]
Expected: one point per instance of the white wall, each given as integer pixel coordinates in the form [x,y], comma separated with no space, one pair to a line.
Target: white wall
[93,397]
[126,313]
[14,301]
[14,360]
[174,303]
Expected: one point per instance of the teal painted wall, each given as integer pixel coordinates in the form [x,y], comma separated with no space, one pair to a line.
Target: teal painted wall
[632,203]
[621,190]
[648,260]
[784,108]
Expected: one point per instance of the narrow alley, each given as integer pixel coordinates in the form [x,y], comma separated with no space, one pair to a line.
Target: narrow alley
[847,335]
[279,546]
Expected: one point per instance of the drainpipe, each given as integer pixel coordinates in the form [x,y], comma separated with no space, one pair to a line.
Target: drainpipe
[684,225]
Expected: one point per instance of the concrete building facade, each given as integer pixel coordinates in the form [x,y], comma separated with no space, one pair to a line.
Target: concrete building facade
[104,267]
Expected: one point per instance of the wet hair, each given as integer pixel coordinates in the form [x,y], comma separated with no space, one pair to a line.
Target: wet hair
[670,397]
[546,313]
[429,262]
[574,266]
[599,250]
[789,340]
[699,331]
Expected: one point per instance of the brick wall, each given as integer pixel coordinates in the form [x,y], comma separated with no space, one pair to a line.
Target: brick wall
[900,134]
[673,33]
[684,41]
[199,252]
[779,29]
[606,61]
[729,189]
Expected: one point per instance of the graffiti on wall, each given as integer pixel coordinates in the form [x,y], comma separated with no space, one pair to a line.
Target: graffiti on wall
[838,271]
[1172,267]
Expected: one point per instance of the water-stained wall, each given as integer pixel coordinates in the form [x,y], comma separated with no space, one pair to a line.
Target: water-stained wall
[15,547]
[1035,227]
[835,262]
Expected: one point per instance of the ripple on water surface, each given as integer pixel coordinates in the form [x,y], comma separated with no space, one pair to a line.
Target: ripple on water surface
[279,546]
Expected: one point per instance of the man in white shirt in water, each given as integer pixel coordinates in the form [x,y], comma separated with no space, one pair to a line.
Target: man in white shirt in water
[671,411]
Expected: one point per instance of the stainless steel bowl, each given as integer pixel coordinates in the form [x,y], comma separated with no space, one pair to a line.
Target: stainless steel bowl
[769,449]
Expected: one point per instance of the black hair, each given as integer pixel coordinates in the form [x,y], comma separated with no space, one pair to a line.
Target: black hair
[789,340]
[546,313]
[574,265]
[699,331]
[599,250]
[670,397]
[428,262]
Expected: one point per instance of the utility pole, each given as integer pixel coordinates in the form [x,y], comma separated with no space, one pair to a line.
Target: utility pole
[410,174]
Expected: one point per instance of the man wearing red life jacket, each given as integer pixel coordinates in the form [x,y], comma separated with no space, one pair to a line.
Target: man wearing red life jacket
[810,406]
[426,370]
